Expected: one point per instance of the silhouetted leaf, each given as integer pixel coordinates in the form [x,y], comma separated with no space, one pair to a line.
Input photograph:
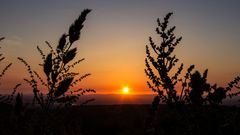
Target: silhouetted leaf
[41,52]
[61,43]
[69,55]
[75,28]
[190,68]
[63,87]
[2,38]
[47,67]
[205,74]
[4,70]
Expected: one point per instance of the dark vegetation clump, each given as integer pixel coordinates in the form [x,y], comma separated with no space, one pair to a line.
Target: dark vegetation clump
[201,120]
[193,109]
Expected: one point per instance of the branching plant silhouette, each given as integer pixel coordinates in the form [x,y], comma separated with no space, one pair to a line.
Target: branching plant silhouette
[195,90]
[233,84]
[6,99]
[57,68]
[160,63]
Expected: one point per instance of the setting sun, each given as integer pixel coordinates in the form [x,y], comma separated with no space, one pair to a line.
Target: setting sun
[125,90]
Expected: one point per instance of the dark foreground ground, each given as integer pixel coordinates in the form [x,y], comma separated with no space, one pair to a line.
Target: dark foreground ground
[84,120]
[122,120]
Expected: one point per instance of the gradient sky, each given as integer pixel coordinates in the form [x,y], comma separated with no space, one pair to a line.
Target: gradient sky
[115,34]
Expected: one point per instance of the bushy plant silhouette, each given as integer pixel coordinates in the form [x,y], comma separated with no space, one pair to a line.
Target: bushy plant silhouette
[160,63]
[198,86]
[57,68]
[186,105]
[216,96]
[201,92]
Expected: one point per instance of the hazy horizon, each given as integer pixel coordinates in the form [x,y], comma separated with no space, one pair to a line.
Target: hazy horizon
[120,99]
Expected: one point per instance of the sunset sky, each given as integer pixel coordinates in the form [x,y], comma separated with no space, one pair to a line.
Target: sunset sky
[114,37]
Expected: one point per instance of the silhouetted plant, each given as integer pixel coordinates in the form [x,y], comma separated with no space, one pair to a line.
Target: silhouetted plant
[185,83]
[195,89]
[216,96]
[201,92]
[1,59]
[198,86]
[160,64]
[233,84]
[159,69]
[5,98]
[57,68]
